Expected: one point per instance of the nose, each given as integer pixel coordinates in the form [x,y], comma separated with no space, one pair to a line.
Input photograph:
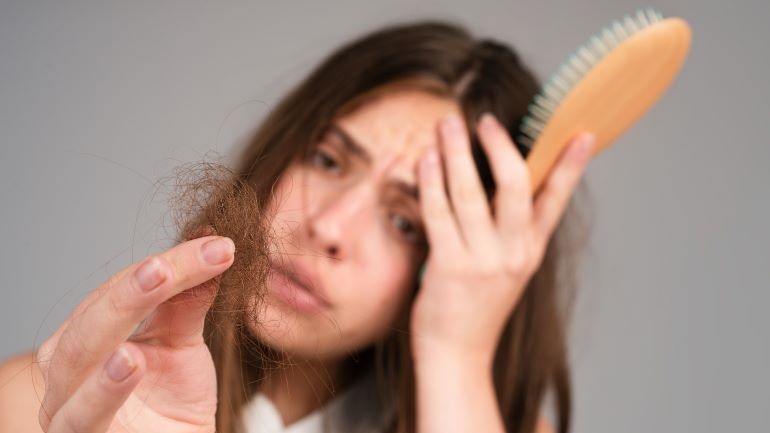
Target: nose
[338,219]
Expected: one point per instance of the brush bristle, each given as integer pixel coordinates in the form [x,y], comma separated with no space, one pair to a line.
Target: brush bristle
[575,68]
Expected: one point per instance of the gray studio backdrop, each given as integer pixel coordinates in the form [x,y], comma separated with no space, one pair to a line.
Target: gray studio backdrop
[100,100]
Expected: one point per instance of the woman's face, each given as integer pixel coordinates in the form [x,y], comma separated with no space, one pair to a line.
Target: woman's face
[349,228]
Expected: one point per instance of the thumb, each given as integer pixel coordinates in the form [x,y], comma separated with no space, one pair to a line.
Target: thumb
[179,321]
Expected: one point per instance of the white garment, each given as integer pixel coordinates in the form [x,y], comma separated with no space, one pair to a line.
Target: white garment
[354,410]
[261,416]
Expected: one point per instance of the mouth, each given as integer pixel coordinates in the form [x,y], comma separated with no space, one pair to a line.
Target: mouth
[297,289]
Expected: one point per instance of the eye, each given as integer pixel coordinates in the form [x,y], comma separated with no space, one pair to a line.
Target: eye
[408,228]
[323,159]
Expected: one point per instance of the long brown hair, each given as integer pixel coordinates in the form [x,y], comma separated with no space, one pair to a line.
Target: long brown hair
[480,75]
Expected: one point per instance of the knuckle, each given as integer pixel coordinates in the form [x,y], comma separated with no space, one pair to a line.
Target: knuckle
[514,185]
[120,303]
[514,173]
[434,211]
[488,270]
[166,267]
[516,263]
[176,267]
[130,297]
[466,193]
[161,266]
[115,303]
[507,179]
[112,281]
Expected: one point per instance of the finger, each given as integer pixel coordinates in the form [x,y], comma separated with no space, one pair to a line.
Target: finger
[93,406]
[179,321]
[46,349]
[513,200]
[440,225]
[468,198]
[112,317]
[559,185]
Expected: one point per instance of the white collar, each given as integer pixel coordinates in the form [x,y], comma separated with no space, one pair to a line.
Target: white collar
[261,416]
[354,410]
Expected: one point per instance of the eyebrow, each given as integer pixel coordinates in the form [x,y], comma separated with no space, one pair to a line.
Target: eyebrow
[357,149]
[350,143]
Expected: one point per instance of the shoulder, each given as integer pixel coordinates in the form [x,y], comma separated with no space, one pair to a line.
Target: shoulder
[543,425]
[21,388]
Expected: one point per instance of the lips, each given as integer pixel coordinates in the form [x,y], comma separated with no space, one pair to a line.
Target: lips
[296,286]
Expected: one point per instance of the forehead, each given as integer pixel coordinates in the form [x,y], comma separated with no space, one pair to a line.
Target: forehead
[397,127]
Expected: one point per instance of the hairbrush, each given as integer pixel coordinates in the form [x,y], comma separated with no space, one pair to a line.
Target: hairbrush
[604,88]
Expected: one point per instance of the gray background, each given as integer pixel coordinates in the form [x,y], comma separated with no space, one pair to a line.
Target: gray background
[100,100]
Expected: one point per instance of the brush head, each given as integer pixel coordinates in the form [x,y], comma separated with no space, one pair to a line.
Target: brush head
[604,87]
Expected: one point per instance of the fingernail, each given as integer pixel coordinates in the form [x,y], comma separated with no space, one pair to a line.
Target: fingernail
[486,122]
[585,146]
[120,365]
[149,275]
[218,250]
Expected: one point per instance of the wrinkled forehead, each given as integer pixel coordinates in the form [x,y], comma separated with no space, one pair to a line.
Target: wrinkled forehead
[397,127]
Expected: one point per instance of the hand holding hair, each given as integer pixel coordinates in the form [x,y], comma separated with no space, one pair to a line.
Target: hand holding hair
[101,376]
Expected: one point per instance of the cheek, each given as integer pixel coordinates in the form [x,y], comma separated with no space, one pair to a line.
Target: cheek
[374,306]
[297,192]
[287,203]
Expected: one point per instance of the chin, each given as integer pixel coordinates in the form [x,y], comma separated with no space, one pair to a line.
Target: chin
[328,335]
[316,336]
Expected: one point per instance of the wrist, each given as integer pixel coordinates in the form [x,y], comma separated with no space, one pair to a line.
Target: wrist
[439,360]
[455,392]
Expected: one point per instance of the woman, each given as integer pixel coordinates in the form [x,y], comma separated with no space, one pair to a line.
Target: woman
[336,331]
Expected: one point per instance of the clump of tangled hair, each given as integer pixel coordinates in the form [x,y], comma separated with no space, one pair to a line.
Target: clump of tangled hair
[209,198]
